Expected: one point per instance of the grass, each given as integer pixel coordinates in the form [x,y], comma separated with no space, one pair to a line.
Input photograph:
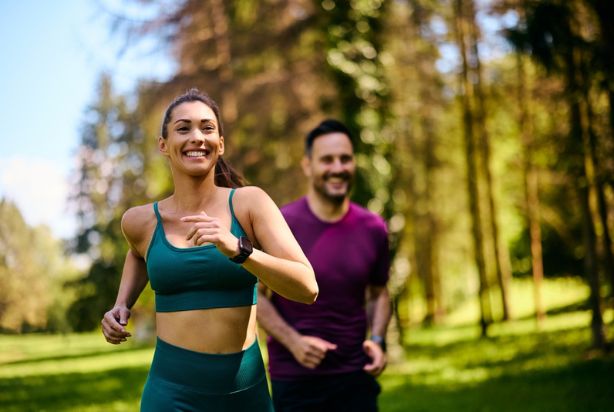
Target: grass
[445,368]
[77,372]
[553,370]
[521,366]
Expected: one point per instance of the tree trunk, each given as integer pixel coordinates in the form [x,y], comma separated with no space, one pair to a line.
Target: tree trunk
[501,256]
[582,168]
[421,235]
[590,267]
[466,92]
[531,189]
[608,258]
[595,175]
[604,11]
[219,20]
[424,81]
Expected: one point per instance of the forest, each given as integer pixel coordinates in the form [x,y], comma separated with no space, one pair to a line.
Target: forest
[486,141]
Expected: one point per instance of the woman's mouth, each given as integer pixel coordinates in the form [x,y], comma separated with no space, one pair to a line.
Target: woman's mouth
[196,153]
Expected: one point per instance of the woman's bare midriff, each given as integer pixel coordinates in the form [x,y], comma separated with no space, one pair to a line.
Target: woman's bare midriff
[218,330]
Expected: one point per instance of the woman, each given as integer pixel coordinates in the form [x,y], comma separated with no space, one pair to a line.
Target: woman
[196,249]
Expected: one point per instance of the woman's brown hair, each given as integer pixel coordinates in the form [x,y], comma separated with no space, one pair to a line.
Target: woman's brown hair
[225,175]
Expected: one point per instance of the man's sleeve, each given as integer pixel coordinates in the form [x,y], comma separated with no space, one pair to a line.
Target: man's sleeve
[381,268]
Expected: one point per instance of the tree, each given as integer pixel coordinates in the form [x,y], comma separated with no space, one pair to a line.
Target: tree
[261,62]
[530,178]
[466,97]
[553,37]
[115,172]
[501,256]
[33,269]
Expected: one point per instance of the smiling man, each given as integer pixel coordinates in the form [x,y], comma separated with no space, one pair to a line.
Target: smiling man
[325,357]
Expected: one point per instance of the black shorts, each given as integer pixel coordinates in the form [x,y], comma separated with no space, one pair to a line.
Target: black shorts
[351,392]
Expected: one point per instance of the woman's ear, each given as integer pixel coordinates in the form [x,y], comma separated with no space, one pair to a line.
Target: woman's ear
[162,146]
[220,149]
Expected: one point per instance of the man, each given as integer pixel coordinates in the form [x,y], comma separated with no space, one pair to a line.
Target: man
[320,358]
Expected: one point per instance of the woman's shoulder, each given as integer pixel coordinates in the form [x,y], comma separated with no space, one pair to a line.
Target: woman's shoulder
[251,200]
[137,220]
[250,193]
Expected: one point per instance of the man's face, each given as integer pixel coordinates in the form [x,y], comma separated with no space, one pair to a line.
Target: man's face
[331,166]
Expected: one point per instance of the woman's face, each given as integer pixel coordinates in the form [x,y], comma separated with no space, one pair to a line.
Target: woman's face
[193,144]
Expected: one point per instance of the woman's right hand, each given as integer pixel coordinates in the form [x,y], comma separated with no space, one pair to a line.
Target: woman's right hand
[113,325]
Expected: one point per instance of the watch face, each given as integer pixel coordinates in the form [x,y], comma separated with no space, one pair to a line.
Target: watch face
[245,249]
[245,245]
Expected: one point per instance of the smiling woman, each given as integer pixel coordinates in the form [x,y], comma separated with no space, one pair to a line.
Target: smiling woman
[204,249]
[208,125]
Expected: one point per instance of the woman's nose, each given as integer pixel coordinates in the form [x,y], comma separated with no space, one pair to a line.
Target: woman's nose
[197,136]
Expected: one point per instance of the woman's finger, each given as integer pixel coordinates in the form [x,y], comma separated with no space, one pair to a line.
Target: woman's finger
[203,238]
[202,217]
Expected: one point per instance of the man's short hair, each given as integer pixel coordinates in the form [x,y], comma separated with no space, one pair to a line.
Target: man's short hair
[325,127]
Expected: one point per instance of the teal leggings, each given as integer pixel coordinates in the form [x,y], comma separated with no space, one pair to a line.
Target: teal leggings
[188,381]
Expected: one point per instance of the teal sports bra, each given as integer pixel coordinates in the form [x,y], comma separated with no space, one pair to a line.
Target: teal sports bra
[199,277]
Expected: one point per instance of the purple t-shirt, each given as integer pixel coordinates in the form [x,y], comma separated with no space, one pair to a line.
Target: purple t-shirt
[346,256]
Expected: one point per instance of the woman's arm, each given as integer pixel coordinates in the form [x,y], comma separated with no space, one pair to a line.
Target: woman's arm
[280,263]
[133,281]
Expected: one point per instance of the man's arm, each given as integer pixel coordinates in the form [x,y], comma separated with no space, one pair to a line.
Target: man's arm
[379,312]
[307,350]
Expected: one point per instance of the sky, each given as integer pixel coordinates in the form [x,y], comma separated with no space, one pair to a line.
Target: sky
[53,53]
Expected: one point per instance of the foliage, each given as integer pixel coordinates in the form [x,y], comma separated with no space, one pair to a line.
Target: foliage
[114,162]
[261,62]
[33,269]
[353,45]
[389,70]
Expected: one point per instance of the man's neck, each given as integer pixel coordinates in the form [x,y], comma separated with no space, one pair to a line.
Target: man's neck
[326,210]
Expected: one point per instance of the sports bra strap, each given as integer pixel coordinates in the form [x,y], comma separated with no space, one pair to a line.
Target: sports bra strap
[155,207]
[232,211]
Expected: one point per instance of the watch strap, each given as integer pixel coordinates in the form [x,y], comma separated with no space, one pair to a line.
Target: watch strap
[380,340]
[245,249]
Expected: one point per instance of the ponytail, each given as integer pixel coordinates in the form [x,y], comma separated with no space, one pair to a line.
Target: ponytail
[226,176]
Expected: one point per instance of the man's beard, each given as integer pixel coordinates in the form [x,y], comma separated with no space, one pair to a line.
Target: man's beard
[335,198]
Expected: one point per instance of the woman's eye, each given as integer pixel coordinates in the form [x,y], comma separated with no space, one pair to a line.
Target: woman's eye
[183,129]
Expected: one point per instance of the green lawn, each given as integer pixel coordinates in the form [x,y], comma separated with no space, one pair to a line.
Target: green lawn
[445,368]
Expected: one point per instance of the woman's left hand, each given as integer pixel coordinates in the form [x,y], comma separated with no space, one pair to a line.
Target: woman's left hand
[208,229]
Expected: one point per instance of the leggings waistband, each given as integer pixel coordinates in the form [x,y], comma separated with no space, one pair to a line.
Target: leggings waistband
[208,372]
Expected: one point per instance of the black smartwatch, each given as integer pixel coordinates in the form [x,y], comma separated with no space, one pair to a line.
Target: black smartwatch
[245,249]
[380,341]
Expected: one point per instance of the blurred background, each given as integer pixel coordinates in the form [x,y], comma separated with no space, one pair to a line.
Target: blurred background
[486,140]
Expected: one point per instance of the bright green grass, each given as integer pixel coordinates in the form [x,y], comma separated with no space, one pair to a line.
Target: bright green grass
[545,371]
[446,368]
[77,372]
[521,366]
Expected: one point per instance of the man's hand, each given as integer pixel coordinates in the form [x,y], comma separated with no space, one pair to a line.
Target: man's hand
[113,325]
[309,351]
[378,358]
